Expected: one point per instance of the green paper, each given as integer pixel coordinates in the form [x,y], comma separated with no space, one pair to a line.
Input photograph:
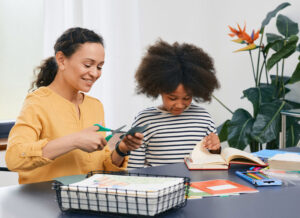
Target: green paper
[66,180]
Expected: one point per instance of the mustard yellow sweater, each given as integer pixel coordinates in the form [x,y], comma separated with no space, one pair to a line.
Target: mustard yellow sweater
[46,116]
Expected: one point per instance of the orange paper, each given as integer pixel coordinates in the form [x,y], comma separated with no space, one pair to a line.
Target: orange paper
[222,187]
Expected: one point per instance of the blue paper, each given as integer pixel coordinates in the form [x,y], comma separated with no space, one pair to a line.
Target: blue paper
[266,153]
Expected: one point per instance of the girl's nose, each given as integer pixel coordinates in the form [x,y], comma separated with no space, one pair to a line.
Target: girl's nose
[179,105]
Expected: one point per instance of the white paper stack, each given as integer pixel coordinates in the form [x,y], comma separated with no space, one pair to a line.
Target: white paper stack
[286,161]
[143,195]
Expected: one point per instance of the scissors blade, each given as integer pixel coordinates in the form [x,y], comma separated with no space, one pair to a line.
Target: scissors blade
[118,130]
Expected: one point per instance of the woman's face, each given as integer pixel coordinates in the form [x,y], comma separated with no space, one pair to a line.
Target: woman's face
[84,67]
[176,102]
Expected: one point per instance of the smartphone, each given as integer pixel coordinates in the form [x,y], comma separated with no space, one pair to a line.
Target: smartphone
[136,129]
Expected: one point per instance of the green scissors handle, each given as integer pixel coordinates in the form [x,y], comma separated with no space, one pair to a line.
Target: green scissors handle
[104,129]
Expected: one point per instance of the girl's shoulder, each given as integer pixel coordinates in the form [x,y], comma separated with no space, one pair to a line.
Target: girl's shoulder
[148,111]
[197,110]
[194,107]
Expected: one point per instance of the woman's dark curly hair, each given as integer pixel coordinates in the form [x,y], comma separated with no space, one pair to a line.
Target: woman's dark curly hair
[166,66]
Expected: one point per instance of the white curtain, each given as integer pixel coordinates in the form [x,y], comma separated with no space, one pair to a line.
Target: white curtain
[117,21]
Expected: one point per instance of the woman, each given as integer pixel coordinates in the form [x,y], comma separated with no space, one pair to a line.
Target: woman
[54,134]
[178,73]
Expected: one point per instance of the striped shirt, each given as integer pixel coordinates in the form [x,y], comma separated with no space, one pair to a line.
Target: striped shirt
[169,138]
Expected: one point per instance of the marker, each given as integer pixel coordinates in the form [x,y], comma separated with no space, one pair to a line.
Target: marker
[254,176]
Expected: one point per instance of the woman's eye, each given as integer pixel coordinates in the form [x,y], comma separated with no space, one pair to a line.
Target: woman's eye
[172,99]
[99,68]
[87,65]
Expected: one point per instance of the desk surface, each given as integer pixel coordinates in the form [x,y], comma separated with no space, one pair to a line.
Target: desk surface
[39,200]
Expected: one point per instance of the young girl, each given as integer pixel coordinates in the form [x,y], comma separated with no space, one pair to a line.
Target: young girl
[54,134]
[177,73]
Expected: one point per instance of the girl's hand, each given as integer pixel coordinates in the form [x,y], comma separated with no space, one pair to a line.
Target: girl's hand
[130,142]
[89,139]
[212,142]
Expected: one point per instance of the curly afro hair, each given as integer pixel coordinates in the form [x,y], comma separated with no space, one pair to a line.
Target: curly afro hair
[166,66]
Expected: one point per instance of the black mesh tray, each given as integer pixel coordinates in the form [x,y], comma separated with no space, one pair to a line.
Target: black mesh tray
[117,201]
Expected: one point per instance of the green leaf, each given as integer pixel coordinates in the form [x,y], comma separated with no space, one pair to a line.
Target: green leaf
[275,42]
[267,123]
[292,125]
[296,75]
[273,13]
[284,52]
[291,104]
[222,131]
[298,47]
[259,95]
[239,129]
[286,26]
[286,79]
[292,133]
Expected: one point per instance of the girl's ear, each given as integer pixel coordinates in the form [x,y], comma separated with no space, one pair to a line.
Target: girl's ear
[60,60]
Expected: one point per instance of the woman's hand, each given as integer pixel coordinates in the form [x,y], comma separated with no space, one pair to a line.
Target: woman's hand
[89,139]
[130,142]
[212,142]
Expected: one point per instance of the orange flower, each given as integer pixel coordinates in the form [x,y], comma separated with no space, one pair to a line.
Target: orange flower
[243,37]
[252,38]
[235,32]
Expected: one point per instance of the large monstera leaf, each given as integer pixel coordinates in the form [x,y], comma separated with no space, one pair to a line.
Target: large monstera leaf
[223,131]
[267,123]
[259,95]
[239,129]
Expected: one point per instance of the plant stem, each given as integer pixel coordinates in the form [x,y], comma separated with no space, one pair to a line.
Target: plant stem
[222,104]
[267,77]
[260,72]
[282,79]
[265,66]
[253,71]
[276,81]
[258,58]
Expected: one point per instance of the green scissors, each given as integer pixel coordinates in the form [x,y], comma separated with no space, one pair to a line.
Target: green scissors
[104,129]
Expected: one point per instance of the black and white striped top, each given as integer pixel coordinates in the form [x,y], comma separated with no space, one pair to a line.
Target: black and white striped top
[169,138]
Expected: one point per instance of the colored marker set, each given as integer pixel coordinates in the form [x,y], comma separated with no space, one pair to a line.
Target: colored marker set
[258,178]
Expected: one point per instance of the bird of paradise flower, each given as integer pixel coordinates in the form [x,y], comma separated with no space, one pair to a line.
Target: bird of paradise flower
[244,38]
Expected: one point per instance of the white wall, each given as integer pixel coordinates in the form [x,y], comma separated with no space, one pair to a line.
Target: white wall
[21,40]
[128,27]
[205,23]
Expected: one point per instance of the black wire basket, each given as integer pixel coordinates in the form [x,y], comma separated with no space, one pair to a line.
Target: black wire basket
[114,200]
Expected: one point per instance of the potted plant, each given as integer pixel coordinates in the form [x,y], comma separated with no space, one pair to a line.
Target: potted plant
[268,98]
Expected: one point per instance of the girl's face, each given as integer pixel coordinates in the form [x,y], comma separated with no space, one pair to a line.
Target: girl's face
[176,102]
[84,67]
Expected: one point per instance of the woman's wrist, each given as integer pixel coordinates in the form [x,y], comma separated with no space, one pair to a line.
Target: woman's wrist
[121,149]
[74,140]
